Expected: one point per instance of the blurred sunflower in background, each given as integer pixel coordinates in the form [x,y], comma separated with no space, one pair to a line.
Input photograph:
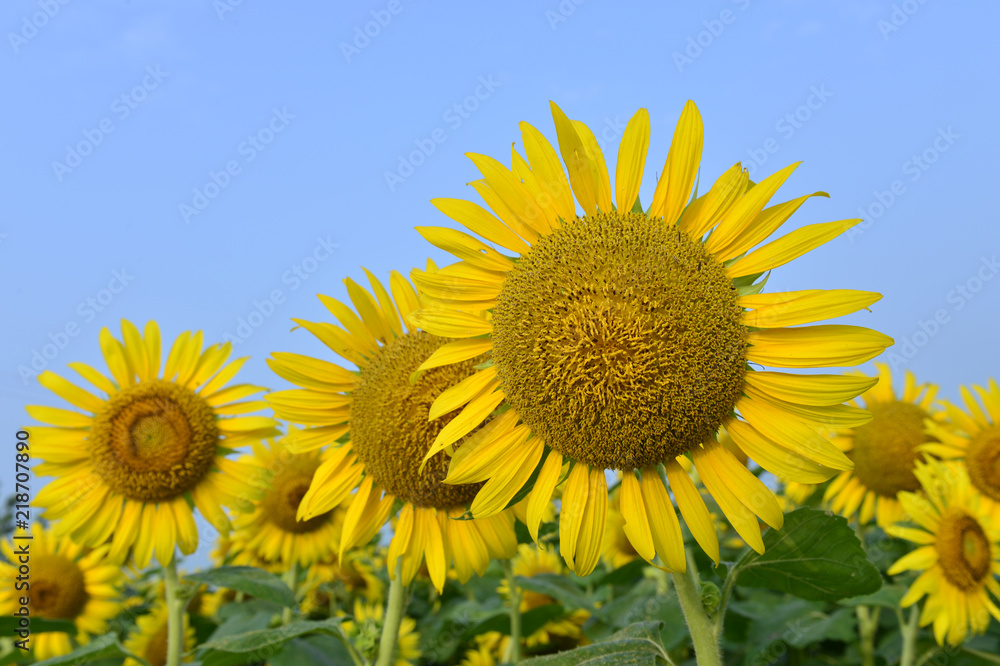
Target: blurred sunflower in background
[328,584]
[620,338]
[132,468]
[977,440]
[885,451]
[268,528]
[149,639]
[958,555]
[379,424]
[365,629]
[67,582]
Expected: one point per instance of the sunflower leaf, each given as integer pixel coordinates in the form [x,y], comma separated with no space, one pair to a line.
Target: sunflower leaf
[815,556]
[636,644]
[255,582]
[105,647]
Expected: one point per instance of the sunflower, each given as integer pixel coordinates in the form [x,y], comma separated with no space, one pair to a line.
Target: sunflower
[885,451]
[978,442]
[334,580]
[958,554]
[68,582]
[149,640]
[267,528]
[366,628]
[620,339]
[378,423]
[568,632]
[131,469]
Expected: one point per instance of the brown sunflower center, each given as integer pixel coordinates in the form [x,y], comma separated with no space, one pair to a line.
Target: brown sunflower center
[983,462]
[281,502]
[963,550]
[154,441]
[58,588]
[885,448]
[389,428]
[156,651]
[618,339]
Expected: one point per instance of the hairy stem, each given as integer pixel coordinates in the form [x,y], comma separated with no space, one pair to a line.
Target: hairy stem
[393,616]
[700,625]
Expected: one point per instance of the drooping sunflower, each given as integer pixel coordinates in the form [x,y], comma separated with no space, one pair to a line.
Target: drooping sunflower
[67,582]
[885,451]
[958,554]
[149,639]
[131,469]
[620,338]
[977,442]
[378,423]
[268,528]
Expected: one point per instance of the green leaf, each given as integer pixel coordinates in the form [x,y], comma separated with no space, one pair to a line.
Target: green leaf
[888,597]
[816,556]
[636,645]
[563,590]
[39,625]
[256,582]
[104,647]
[318,650]
[260,639]
[624,575]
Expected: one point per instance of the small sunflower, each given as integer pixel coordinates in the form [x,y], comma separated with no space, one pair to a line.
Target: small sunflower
[268,528]
[958,554]
[131,469]
[885,451]
[978,441]
[568,631]
[68,582]
[379,423]
[620,338]
[365,629]
[353,576]
[149,640]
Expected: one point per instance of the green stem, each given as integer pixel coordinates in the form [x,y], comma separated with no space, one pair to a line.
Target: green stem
[910,631]
[700,625]
[393,616]
[175,614]
[514,647]
[292,581]
[867,626]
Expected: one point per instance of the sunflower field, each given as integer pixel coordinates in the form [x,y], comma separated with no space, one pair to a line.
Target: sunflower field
[583,430]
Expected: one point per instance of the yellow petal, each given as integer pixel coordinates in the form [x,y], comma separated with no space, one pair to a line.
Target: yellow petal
[135,350]
[512,219]
[788,247]
[152,342]
[59,417]
[663,523]
[765,223]
[368,309]
[457,351]
[497,493]
[583,172]
[746,209]
[479,221]
[631,160]
[790,308]
[706,211]
[693,509]
[401,538]
[469,418]
[818,390]
[827,345]
[450,323]
[466,248]
[596,158]
[681,168]
[486,457]
[633,510]
[405,296]
[437,566]
[548,171]
[754,495]
[739,516]
[388,308]
[467,455]
[574,504]
[114,356]
[594,524]
[470,388]
[515,197]
[350,321]
[829,417]
[793,434]
[70,392]
[94,377]
[541,494]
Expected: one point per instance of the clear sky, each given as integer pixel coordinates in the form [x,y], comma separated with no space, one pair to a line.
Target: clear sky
[197,162]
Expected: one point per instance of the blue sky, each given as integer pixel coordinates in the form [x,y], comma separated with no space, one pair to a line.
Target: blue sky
[196,162]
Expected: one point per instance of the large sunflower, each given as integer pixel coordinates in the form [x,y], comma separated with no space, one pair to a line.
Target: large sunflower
[977,441]
[268,528]
[130,469]
[885,451]
[958,554]
[68,582]
[376,421]
[620,339]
